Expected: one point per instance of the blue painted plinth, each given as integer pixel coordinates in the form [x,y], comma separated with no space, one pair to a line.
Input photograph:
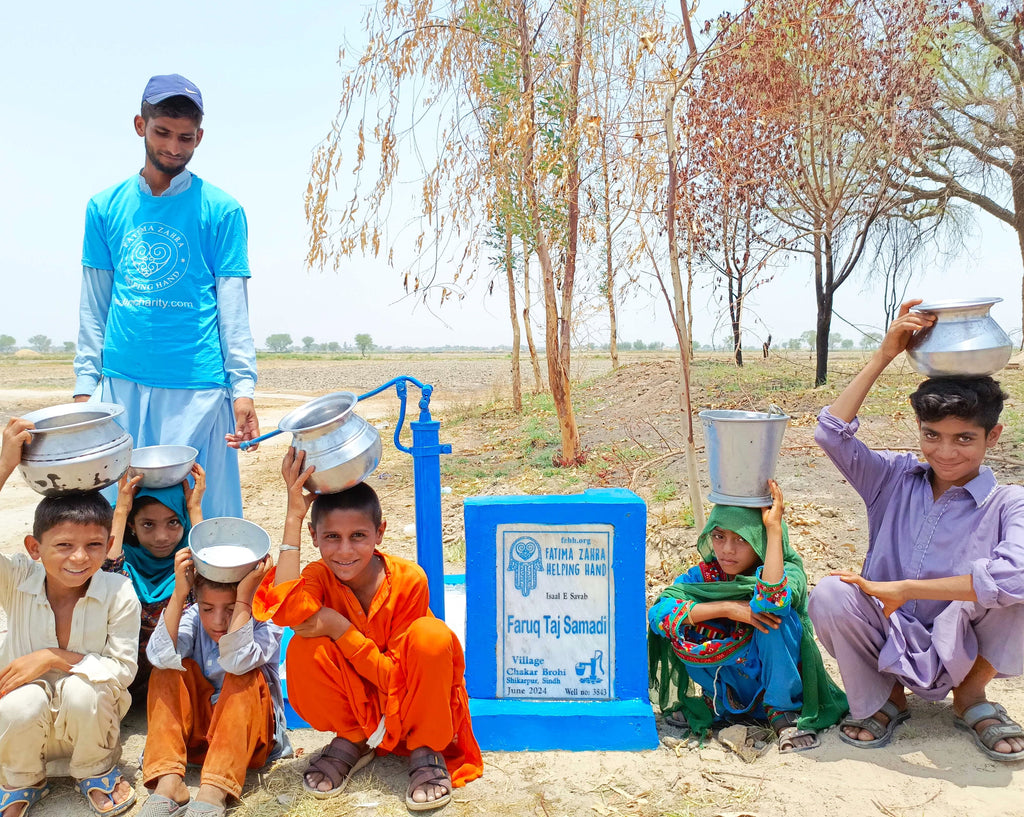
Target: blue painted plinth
[503,725]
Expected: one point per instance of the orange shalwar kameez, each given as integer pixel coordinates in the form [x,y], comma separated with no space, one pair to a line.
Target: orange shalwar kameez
[397,661]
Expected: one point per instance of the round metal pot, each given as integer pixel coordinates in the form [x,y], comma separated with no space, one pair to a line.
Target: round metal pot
[964,341]
[75,447]
[344,447]
[162,466]
[743,449]
[226,549]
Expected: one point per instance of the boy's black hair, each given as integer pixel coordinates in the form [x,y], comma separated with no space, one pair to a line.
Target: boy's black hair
[174,107]
[80,508]
[978,400]
[359,497]
[201,581]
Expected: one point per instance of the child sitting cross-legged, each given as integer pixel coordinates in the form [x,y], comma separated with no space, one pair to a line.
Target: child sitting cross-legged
[369,662]
[214,693]
[737,626]
[69,652]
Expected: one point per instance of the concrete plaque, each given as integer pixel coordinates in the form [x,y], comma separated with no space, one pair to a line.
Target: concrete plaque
[556,612]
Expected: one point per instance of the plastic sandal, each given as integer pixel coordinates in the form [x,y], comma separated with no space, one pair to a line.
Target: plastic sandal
[105,783]
[882,732]
[988,737]
[29,795]
[336,754]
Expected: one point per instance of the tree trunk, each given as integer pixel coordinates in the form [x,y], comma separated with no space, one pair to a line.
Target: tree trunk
[558,367]
[517,384]
[609,272]
[538,384]
[824,291]
[679,318]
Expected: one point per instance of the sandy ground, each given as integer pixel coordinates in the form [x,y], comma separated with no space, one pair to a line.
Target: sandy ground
[929,769]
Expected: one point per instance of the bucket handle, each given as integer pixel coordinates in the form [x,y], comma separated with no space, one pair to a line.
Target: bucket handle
[774,409]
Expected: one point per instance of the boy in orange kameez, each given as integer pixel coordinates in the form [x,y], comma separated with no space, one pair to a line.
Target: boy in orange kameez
[369,661]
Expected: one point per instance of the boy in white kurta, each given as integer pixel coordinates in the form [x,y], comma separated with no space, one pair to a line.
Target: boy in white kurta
[69,653]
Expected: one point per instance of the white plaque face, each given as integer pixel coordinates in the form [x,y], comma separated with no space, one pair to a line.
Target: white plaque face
[556,612]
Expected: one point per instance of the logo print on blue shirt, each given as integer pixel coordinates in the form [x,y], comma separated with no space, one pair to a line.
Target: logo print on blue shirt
[154,257]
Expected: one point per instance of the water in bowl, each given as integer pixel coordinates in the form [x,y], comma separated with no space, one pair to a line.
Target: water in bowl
[226,555]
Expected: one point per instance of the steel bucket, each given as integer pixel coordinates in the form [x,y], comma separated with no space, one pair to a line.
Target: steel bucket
[743,449]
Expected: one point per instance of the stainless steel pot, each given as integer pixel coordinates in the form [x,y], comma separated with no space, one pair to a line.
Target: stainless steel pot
[226,549]
[75,447]
[964,341]
[344,447]
[743,449]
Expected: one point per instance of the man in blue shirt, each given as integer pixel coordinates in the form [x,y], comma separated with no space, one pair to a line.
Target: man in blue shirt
[164,319]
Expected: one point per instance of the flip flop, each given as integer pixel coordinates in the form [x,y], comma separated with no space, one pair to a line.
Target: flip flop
[29,795]
[988,737]
[157,805]
[882,732]
[329,762]
[105,783]
[785,723]
[427,768]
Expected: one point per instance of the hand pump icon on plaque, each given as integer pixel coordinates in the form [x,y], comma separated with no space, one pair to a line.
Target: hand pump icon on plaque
[595,665]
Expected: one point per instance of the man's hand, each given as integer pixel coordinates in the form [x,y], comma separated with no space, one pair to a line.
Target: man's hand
[324,622]
[247,424]
[26,669]
[81,398]
[891,594]
[16,435]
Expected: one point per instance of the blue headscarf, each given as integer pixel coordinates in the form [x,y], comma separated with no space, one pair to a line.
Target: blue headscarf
[152,577]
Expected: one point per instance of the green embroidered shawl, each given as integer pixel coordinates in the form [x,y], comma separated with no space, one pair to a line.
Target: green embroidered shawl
[823,702]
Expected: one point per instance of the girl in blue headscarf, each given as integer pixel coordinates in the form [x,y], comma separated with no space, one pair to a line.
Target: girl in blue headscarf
[150,526]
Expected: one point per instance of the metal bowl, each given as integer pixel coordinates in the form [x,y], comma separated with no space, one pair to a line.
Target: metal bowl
[344,447]
[162,466]
[226,549]
[75,447]
[964,341]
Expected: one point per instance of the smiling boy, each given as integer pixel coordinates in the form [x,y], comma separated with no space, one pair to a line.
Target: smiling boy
[69,652]
[938,605]
[369,662]
[164,321]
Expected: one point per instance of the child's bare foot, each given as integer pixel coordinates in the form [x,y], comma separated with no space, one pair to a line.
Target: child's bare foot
[173,787]
[29,797]
[430,785]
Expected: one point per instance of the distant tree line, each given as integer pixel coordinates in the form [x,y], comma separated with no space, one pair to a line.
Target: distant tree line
[37,343]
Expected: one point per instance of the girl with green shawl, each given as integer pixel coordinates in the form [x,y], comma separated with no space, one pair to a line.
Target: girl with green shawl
[150,526]
[736,625]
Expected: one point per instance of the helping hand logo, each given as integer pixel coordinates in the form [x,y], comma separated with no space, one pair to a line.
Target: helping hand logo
[524,561]
[154,257]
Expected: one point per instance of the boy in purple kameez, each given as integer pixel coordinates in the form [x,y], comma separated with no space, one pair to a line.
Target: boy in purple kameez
[938,606]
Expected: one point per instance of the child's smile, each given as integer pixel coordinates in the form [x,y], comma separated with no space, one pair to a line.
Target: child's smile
[347,540]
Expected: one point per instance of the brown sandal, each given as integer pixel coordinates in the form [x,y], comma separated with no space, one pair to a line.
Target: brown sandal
[337,762]
[427,768]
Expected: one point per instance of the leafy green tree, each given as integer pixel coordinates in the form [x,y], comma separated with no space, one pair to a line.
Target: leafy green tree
[333,346]
[307,343]
[847,344]
[794,343]
[810,337]
[69,346]
[364,343]
[41,343]
[870,342]
[6,343]
[279,343]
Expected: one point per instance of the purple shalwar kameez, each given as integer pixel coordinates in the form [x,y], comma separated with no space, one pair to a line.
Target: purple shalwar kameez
[928,646]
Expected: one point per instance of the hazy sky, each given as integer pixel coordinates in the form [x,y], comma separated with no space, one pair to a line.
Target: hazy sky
[74,74]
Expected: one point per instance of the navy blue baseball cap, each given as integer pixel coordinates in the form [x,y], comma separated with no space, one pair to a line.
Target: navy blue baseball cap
[164,86]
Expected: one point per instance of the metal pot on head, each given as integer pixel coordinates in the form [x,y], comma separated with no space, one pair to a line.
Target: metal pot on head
[75,447]
[743,449]
[964,341]
[344,447]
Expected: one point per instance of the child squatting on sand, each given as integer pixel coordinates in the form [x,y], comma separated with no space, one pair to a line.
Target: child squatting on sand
[939,604]
[150,528]
[369,662]
[737,626]
[214,693]
[69,653]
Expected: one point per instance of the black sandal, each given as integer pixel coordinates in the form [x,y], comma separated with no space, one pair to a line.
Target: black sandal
[427,768]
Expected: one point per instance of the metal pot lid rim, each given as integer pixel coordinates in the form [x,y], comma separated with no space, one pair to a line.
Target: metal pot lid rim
[937,306]
[284,424]
[112,410]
